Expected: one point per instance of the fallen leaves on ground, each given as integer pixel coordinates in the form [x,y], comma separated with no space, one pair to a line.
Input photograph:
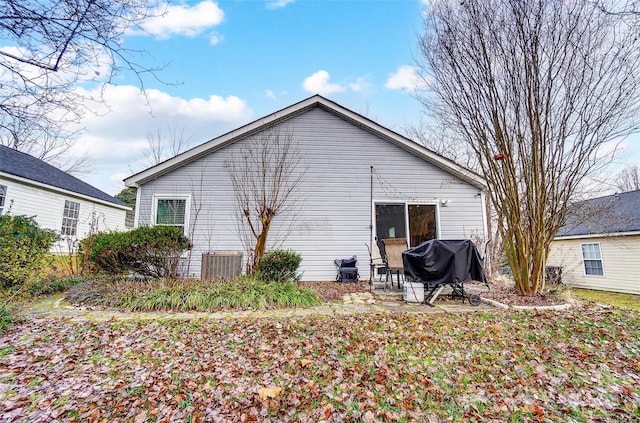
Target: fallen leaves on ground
[269,392]
[506,294]
[576,365]
[331,291]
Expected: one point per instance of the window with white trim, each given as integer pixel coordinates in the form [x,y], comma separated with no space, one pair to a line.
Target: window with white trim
[396,220]
[3,196]
[592,258]
[70,218]
[171,211]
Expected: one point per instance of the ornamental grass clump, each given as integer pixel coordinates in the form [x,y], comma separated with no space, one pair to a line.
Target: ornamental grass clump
[242,293]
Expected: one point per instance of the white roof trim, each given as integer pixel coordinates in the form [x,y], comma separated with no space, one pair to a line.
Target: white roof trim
[586,236]
[315,101]
[62,191]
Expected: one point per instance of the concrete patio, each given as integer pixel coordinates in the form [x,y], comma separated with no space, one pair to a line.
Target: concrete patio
[391,298]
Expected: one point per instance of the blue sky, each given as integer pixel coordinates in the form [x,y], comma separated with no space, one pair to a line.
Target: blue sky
[230,62]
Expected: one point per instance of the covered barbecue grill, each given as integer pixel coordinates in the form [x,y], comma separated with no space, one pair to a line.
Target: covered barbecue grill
[438,263]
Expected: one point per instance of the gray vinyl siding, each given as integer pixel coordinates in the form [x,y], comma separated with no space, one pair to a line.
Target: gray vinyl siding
[333,210]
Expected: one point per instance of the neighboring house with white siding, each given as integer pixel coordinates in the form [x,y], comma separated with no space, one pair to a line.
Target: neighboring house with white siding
[599,245]
[57,200]
[355,174]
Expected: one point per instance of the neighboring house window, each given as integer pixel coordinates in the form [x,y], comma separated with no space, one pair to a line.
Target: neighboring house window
[70,218]
[171,212]
[592,259]
[3,195]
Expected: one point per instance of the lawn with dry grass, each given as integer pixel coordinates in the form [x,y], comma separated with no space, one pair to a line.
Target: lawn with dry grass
[616,299]
[578,365]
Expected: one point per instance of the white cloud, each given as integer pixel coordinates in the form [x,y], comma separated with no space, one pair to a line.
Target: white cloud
[360,85]
[117,178]
[405,78]
[215,38]
[318,83]
[184,20]
[277,4]
[274,95]
[116,137]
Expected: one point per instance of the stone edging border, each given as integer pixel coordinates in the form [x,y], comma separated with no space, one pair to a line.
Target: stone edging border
[494,303]
[497,304]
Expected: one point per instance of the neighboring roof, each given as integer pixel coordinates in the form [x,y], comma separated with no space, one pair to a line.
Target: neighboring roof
[609,215]
[296,109]
[22,165]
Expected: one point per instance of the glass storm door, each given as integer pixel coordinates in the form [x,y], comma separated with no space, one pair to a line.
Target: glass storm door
[391,222]
[422,223]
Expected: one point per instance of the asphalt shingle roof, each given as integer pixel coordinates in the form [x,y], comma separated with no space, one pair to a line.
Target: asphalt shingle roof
[604,215]
[16,163]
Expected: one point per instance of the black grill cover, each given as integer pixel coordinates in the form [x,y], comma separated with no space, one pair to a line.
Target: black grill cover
[346,262]
[438,262]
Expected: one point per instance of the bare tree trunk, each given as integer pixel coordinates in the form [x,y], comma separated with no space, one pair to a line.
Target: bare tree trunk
[261,244]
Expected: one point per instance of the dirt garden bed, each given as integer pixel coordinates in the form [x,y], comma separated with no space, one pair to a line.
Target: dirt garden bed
[507,295]
[501,291]
[332,291]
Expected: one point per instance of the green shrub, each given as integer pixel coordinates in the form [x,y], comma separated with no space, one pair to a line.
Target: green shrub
[245,292]
[151,251]
[280,266]
[24,249]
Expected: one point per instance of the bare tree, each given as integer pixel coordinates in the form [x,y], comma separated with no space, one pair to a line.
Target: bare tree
[438,137]
[164,144]
[265,173]
[47,48]
[623,8]
[46,144]
[628,179]
[535,88]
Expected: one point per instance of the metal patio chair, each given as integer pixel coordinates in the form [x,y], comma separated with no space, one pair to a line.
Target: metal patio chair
[377,263]
[393,248]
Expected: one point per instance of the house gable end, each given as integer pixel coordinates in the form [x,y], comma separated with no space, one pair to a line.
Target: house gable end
[290,112]
[346,171]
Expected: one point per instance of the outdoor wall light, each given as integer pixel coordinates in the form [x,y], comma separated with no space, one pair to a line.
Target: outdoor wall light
[445,202]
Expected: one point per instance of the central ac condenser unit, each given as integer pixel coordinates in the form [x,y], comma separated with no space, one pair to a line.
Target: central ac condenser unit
[221,264]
